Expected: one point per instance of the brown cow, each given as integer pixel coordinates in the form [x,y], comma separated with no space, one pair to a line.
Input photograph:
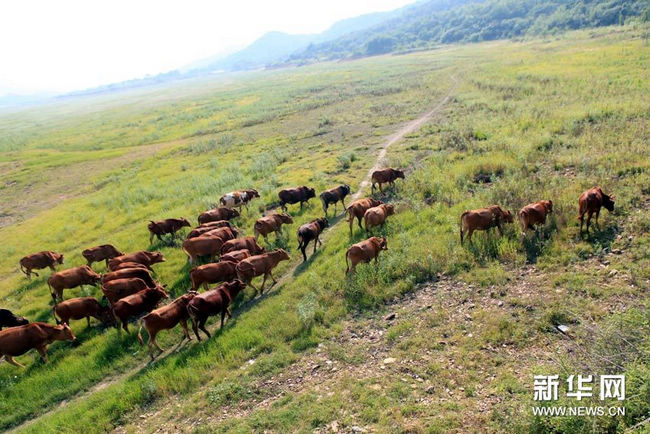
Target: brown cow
[295,195]
[16,341]
[358,208]
[213,302]
[37,261]
[201,229]
[8,319]
[223,233]
[140,273]
[271,223]
[71,278]
[202,246]
[136,304]
[333,196]
[377,215]
[383,176]
[165,318]
[534,214]
[236,255]
[483,219]
[143,257]
[260,265]
[248,243]
[79,308]
[590,202]
[119,288]
[238,198]
[311,231]
[125,265]
[364,251]
[218,214]
[164,227]
[222,271]
[101,253]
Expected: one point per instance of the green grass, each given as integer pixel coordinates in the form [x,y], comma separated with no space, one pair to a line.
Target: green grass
[543,119]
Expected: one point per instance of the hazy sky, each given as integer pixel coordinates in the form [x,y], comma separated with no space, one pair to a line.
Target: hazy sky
[64,45]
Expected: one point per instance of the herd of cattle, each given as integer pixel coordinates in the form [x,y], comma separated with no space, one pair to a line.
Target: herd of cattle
[131,291]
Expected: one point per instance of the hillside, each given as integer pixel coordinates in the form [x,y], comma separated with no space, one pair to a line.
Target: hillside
[438,336]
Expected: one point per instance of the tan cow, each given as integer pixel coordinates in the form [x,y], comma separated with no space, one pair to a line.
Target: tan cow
[37,261]
[100,253]
[260,265]
[377,215]
[364,251]
[207,227]
[143,257]
[358,208]
[248,243]
[311,231]
[140,273]
[383,176]
[222,271]
[590,203]
[202,246]
[236,255]
[166,226]
[125,265]
[213,302]
[79,308]
[71,278]
[271,223]
[534,214]
[136,304]
[224,233]
[483,219]
[16,341]
[218,214]
[116,289]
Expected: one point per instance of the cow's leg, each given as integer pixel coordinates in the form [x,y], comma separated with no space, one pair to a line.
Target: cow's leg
[195,328]
[582,220]
[228,312]
[42,350]
[372,188]
[263,282]
[125,325]
[588,221]
[301,202]
[380,190]
[303,247]
[186,333]
[273,278]
[359,220]
[12,361]
[202,326]
[205,286]
[250,283]
[469,234]
[316,244]
[152,341]
[597,214]
[88,321]
[500,229]
[223,316]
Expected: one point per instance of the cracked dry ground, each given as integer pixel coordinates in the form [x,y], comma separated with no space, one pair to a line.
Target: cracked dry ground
[440,349]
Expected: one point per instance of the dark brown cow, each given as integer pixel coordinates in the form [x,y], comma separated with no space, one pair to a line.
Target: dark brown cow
[167,226]
[119,288]
[8,319]
[222,271]
[377,215]
[311,231]
[213,302]
[125,273]
[260,265]
[238,198]
[358,208]
[534,214]
[590,202]
[383,176]
[37,261]
[236,255]
[101,253]
[248,243]
[223,233]
[295,195]
[143,257]
[79,308]
[16,341]
[201,229]
[202,246]
[165,318]
[483,219]
[365,251]
[333,196]
[217,214]
[125,265]
[71,278]
[137,304]
[271,223]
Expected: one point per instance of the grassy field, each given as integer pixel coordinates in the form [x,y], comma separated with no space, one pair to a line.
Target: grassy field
[544,119]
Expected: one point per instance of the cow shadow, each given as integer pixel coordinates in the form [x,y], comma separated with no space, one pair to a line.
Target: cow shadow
[534,244]
[601,237]
[166,241]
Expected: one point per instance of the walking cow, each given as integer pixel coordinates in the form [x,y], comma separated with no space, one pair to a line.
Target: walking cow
[167,226]
[295,195]
[311,231]
[590,203]
[16,341]
[37,261]
[213,302]
[333,196]
[384,176]
[365,251]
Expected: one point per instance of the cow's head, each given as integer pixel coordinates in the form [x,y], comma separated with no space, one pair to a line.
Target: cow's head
[390,209]
[286,218]
[184,222]
[399,174]
[608,202]
[93,277]
[345,188]
[548,205]
[234,288]
[233,213]
[63,333]
[253,193]
[58,258]
[282,254]
[105,315]
[311,192]
[507,217]
[159,291]
[21,320]
[322,222]
[383,244]
[375,202]
[156,257]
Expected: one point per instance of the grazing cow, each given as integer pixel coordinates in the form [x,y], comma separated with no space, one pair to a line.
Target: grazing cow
[120,288]
[333,196]
[534,214]
[218,214]
[71,278]
[483,219]
[143,257]
[125,265]
[16,341]
[137,304]
[213,302]
[358,208]
[222,271]
[311,231]
[140,273]
[164,227]
[248,243]
[223,233]
[364,251]
[377,215]
[8,319]
[165,318]
[260,265]
[37,261]
[101,253]
[590,202]
[202,246]
[207,227]
[238,198]
[236,255]
[79,308]
[295,195]
[385,176]
[271,223]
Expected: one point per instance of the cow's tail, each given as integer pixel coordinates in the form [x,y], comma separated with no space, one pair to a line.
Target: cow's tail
[256,230]
[347,263]
[191,311]
[54,314]
[51,292]
[23,270]
[300,239]
[462,216]
[140,334]
[189,257]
